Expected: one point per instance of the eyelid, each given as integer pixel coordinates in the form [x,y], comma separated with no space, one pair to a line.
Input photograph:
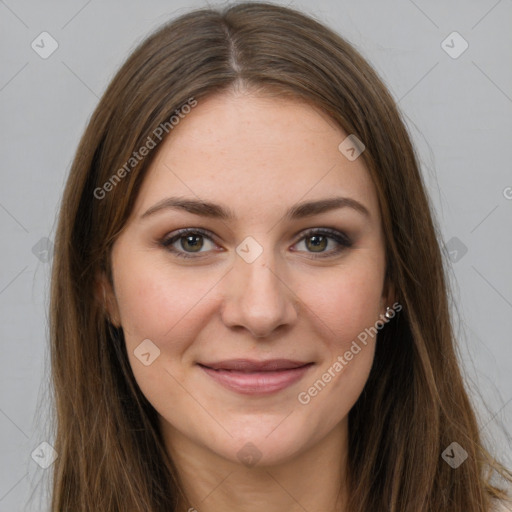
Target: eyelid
[337,235]
[343,241]
[185,231]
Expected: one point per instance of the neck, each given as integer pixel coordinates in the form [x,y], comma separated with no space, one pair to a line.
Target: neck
[315,479]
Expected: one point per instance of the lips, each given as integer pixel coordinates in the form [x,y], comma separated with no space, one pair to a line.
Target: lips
[251,377]
[247,365]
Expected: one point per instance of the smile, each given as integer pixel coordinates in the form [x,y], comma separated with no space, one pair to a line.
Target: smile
[256,377]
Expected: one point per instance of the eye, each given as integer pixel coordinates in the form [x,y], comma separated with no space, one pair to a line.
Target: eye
[317,240]
[187,242]
[191,242]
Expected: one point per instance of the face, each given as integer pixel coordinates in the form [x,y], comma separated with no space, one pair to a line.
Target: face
[251,265]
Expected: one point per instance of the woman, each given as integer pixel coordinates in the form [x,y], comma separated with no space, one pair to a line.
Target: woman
[249,310]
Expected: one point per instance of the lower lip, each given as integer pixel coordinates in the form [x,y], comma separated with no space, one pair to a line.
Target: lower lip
[257,383]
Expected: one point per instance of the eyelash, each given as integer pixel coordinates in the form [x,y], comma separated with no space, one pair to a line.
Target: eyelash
[340,238]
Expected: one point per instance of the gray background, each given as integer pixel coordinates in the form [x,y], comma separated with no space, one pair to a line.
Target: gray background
[458,111]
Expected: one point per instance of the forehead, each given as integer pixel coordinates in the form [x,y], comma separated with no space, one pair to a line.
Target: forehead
[249,152]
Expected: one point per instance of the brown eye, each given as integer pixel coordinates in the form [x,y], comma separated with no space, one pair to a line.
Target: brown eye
[316,243]
[189,243]
[324,243]
[192,243]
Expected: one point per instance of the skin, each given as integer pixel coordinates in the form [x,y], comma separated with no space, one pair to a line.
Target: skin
[257,156]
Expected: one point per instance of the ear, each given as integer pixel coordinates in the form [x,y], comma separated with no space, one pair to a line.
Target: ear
[105,296]
[388,294]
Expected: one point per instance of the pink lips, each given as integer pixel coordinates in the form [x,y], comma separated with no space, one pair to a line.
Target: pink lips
[256,377]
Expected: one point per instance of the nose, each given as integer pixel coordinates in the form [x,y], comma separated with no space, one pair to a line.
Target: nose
[257,298]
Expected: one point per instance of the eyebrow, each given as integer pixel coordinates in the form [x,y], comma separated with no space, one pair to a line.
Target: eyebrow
[216,211]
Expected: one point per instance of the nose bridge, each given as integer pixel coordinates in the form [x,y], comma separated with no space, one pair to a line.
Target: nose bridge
[256,297]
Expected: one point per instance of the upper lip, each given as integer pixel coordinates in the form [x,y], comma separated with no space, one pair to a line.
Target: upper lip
[248,365]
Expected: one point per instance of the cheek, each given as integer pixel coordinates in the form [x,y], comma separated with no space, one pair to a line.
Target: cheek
[160,304]
[346,304]
[169,308]
[346,300]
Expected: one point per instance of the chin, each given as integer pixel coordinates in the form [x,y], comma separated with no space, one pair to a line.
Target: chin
[264,442]
[260,451]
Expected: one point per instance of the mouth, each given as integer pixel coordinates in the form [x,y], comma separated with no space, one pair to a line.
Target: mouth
[256,377]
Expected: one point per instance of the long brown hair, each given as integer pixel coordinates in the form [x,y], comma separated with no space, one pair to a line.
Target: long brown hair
[414,405]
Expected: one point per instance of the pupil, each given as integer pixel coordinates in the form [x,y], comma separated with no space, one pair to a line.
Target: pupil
[318,242]
[192,242]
